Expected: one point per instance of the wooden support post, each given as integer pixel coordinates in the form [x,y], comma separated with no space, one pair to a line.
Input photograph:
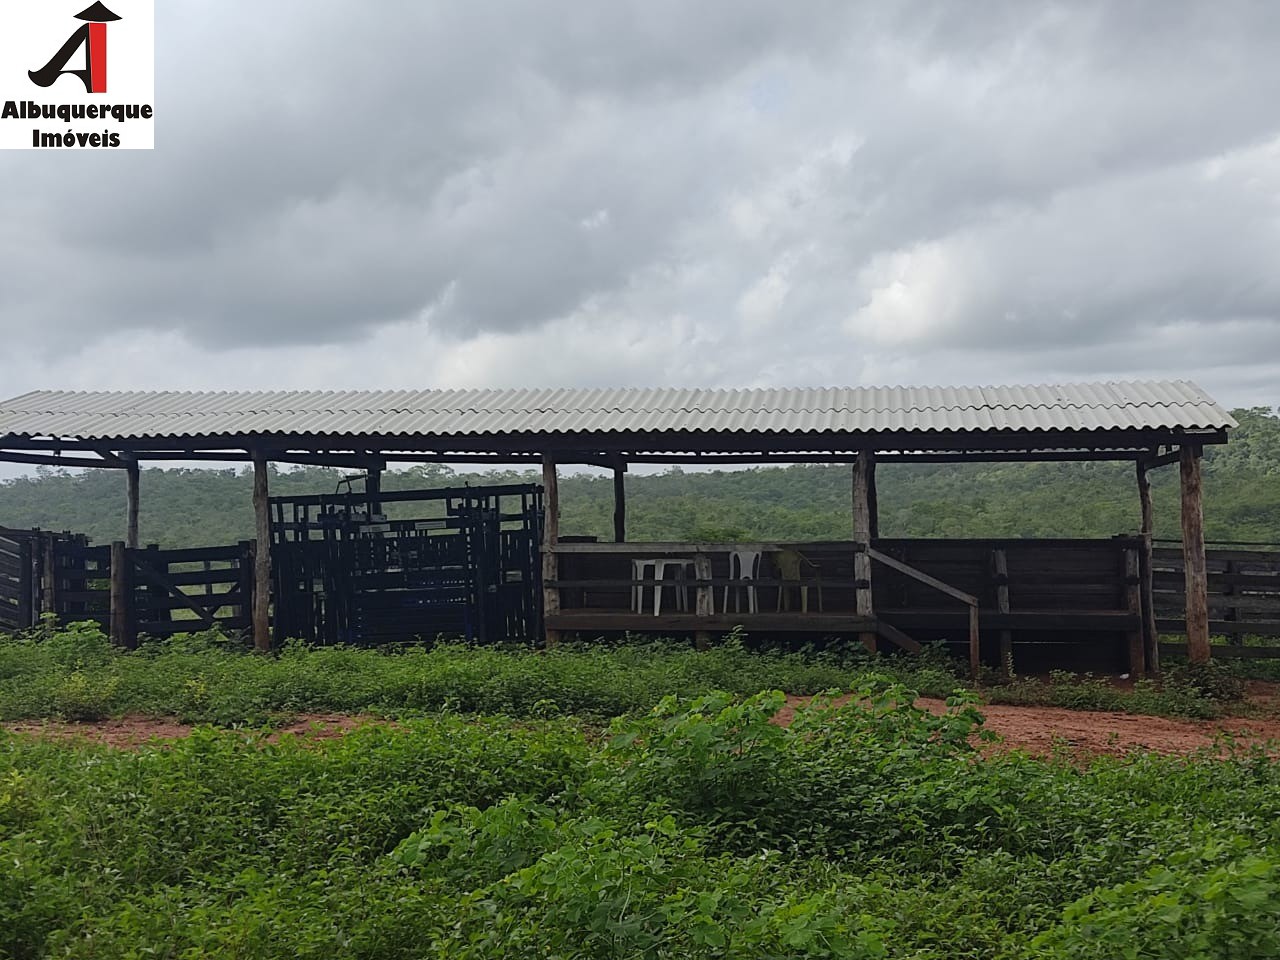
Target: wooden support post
[1133,600]
[550,538]
[873,503]
[132,474]
[1193,558]
[1000,563]
[705,602]
[619,503]
[261,556]
[373,490]
[120,596]
[863,469]
[1150,632]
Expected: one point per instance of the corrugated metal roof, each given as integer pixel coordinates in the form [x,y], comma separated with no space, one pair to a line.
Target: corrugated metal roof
[135,415]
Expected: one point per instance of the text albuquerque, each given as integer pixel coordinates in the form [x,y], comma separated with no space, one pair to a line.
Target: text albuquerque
[67,112]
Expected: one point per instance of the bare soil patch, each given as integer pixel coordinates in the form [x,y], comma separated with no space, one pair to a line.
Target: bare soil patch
[1042,730]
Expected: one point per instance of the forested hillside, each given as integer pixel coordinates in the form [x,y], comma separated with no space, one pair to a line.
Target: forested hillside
[1242,499]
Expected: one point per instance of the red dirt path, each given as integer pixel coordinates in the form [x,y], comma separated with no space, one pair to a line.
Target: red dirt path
[1039,730]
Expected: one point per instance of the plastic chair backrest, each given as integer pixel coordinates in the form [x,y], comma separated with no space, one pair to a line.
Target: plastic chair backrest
[790,562]
[746,563]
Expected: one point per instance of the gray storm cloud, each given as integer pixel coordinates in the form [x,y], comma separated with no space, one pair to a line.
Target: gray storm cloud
[791,192]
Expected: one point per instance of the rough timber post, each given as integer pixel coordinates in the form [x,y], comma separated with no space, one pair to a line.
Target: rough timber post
[121,596]
[873,504]
[863,472]
[1193,559]
[132,475]
[619,502]
[261,555]
[1150,633]
[550,538]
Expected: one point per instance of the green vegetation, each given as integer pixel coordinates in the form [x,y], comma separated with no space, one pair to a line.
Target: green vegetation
[190,507]
[75,674]
[698,828]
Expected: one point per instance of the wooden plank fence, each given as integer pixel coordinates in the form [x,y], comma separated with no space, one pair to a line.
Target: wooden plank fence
[128,592]
[28,579]
[1244,596]
[17,597]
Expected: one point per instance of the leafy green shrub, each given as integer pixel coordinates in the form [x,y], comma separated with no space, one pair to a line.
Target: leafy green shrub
[85,696]
[77,645]
[700,829]
[1211,680]
[1219,901]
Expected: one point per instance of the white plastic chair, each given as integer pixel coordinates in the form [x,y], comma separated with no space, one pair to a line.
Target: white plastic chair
[744,565]
[659,565]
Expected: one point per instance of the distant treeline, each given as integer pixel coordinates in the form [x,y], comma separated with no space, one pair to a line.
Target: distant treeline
[190,507]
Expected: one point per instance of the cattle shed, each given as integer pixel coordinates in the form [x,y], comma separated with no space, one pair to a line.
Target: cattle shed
[982,594]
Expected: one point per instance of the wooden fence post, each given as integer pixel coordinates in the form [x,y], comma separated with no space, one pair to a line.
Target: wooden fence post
[121,596]
[1193,558]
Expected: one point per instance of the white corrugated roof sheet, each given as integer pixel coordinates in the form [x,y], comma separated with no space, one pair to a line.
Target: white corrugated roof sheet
[129,415]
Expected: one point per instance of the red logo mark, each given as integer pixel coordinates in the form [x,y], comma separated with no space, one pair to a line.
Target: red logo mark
[92,35]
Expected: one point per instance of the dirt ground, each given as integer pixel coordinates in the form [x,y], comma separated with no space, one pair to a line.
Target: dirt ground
[1040,730]
[1035,729]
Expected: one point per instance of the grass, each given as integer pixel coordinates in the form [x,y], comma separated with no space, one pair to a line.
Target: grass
[74,673]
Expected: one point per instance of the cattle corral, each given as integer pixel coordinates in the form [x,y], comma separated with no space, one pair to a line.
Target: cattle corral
[338,570]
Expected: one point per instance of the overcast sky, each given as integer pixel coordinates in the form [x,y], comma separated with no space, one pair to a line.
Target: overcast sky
[720,192]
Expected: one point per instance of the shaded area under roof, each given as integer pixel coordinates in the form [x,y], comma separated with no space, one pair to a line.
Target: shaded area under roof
[1114,415]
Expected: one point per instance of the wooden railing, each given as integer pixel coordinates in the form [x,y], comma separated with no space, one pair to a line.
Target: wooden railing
[1069,603]
[975,649]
